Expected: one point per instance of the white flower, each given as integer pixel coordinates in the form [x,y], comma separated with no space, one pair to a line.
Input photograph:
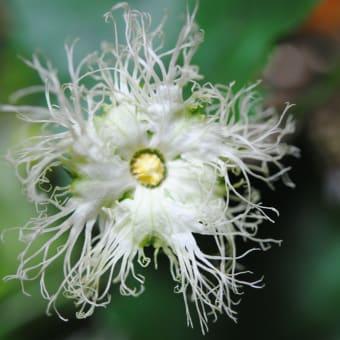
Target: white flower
[148,166]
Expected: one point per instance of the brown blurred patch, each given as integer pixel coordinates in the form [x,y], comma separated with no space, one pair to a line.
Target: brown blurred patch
[296,64]
[305,68]
[324,131]
[325,19]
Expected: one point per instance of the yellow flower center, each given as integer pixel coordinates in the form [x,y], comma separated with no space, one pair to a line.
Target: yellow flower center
[148,167]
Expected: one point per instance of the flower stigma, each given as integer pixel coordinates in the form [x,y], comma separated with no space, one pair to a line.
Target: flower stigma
[147,166]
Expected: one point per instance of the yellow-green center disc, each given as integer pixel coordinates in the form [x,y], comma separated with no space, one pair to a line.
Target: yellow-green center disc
[147,166]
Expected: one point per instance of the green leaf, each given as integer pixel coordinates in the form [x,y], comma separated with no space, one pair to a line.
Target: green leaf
[241,34]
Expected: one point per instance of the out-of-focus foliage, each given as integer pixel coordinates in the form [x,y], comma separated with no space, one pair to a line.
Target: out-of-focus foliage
[239,34]
[302,295]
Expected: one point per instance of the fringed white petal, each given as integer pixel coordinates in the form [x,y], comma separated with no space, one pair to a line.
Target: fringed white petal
[147,167]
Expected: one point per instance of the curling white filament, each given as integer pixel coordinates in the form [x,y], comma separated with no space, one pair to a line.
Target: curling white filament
[149,167]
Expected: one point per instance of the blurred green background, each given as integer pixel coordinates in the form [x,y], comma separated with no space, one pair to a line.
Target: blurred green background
[294,46]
